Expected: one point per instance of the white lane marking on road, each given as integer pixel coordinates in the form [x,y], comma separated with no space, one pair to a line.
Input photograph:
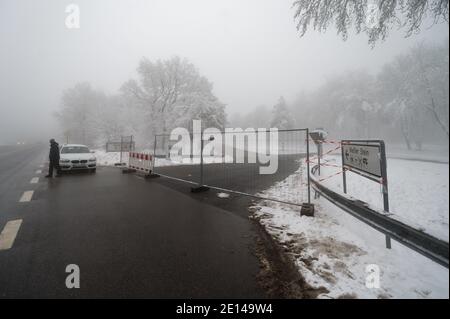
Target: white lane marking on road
[39,171]
[26,197]
[9,233]
[34,180]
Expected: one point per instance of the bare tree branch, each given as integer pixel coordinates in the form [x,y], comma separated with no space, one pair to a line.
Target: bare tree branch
[345,14]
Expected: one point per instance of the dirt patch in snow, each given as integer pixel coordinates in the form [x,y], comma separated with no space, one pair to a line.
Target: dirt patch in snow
[279,275]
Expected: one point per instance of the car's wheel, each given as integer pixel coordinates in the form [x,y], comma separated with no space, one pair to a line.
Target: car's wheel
[93,170]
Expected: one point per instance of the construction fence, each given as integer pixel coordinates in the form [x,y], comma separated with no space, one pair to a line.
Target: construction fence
[245,162]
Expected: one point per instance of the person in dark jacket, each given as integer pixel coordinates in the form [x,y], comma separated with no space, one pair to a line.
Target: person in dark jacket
[54,158]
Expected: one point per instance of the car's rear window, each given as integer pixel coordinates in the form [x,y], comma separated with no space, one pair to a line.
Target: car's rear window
[74,150]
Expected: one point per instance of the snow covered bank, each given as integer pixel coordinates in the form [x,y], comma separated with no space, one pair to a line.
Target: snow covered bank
[418,192]
[335,250]
[437,153]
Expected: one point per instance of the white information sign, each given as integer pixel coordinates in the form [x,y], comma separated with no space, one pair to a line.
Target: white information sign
[365,158]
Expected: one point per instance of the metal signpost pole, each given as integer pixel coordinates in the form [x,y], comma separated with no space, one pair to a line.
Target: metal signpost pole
[319,154]
[154,155]
[121,147]
[307,166]
[344,177]
[201,160]
[384,183]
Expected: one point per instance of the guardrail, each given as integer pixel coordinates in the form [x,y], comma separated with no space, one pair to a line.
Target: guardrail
[425,244]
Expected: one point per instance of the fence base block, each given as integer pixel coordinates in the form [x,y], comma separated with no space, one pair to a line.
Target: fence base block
[152,175]
[307,210]
[199,189]
[128,171]
[120,164]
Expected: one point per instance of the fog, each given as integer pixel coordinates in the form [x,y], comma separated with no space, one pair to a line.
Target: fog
[250,50]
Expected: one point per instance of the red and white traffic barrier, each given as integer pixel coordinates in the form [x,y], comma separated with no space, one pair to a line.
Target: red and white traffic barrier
[141,162]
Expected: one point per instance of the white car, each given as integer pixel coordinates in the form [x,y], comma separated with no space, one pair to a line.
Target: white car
[76,157]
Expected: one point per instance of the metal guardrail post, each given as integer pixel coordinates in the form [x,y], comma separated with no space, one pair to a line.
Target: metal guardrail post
[307,166]
[384,184]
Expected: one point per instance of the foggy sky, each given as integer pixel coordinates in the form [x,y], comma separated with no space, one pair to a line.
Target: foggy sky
[249,49]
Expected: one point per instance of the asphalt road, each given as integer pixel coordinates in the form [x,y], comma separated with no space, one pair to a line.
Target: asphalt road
[130,237]
[244,177]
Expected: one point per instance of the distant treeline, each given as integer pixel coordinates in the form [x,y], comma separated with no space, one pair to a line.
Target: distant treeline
[407,101]
[167,94]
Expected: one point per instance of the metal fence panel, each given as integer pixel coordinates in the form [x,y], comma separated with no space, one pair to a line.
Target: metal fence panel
[246,176]
[185,167]
[245,162]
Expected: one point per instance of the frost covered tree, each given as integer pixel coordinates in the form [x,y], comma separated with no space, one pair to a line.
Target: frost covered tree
[91,117]
[431,82]
[172,93]
[79,113]
[373,17]
[110,120]
[258,117]
[406,102]
[401,109]
[346,104]
[414,89]
[167,94]
[281,116]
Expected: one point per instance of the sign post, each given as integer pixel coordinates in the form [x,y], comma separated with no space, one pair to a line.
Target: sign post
[121,149]
[368,159]
[319,136]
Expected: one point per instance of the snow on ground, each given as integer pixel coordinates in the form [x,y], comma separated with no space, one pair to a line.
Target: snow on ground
[436,153]
[418,192]
[109,158]
[333,249]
